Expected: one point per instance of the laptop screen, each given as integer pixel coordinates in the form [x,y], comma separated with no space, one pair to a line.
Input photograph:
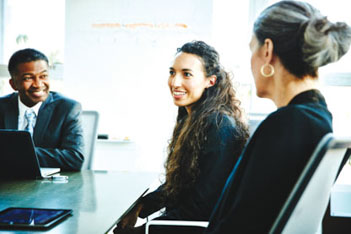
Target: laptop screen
[18,158]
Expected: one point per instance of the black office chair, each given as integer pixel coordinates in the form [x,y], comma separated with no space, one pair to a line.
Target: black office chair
[90,120]
[304,209]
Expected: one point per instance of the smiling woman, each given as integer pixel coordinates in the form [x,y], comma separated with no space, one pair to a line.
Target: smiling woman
[187,80]
[207,140]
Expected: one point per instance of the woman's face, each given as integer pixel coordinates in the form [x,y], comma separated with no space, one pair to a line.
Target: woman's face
[256,63]
[187,80]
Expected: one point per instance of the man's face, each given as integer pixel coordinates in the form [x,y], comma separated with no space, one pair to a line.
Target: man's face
[31,80]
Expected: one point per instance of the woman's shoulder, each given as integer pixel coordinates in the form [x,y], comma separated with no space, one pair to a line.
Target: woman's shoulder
[221,120]
[300,111]
[297,115]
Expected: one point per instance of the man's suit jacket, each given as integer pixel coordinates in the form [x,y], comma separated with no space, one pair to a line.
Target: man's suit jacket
[58,134]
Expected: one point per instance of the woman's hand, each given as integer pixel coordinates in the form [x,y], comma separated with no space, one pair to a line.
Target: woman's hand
[130,219]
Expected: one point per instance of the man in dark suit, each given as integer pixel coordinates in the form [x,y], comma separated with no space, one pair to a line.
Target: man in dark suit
[53,120]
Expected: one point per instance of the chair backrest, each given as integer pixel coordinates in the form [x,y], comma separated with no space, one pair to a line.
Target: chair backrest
[90,120]
[304,209]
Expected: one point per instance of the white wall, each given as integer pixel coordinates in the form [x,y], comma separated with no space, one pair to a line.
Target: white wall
[117,55]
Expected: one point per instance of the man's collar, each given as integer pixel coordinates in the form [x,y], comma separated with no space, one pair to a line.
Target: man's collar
[22,107]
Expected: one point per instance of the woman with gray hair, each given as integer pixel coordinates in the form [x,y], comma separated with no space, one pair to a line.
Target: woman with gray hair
[291,40]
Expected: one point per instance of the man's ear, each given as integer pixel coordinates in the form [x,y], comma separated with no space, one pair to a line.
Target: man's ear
[212,81]
[13,83]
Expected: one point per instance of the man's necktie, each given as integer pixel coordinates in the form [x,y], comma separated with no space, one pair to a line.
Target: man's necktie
[29,115]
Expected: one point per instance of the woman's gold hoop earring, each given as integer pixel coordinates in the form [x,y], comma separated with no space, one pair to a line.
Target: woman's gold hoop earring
[270,67]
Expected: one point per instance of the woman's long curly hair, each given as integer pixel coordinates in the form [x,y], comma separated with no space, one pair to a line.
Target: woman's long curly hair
[190,130]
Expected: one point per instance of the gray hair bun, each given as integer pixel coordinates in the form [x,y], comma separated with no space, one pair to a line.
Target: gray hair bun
[325,42]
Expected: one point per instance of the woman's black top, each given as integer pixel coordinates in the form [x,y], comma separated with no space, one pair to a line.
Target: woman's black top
[270,164]
[217,158]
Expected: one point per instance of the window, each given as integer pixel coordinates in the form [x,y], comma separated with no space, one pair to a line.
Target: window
[231,34]
[37,23]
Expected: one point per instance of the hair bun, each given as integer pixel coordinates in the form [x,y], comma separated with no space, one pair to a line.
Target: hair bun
[325,42]
[321,25]
[324,26]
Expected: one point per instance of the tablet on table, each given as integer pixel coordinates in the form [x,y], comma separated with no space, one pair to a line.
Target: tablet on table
[37,218]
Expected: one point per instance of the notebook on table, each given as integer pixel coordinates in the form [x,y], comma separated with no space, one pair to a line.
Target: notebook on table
[18,158]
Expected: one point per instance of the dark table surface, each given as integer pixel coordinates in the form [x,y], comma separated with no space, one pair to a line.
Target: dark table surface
[97,198]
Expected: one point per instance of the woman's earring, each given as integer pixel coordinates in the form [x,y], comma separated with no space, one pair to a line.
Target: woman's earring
[270,67]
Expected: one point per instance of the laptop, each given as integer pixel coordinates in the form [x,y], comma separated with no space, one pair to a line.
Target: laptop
[18,158]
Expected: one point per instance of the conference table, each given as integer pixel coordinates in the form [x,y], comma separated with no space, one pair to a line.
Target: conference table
[97,198]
